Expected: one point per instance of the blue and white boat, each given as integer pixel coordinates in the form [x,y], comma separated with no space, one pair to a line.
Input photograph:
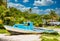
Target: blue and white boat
[28,29]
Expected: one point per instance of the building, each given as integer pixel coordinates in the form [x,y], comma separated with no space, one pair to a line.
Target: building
[54,23]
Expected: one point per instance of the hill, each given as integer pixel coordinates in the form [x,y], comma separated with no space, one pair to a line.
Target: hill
[11,16]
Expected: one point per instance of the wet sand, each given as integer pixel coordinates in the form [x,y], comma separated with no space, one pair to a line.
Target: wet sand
[3,37]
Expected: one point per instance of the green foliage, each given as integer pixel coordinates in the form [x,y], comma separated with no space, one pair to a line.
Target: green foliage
[12,16]
[59,19]
[54,33]
[3,31]
[53,15]
[46,39]
[57,26]
[1,1]
[49,37]
[47,17]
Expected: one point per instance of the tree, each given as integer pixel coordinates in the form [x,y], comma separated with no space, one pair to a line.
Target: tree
[3,2]
[46,17]
[53,15]
[30,10]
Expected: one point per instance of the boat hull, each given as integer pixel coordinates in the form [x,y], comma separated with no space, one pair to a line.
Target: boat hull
[19,33]
[14,31]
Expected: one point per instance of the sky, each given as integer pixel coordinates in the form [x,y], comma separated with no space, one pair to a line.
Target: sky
[38,6]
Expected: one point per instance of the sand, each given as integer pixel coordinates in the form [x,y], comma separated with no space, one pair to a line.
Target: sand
[3,37]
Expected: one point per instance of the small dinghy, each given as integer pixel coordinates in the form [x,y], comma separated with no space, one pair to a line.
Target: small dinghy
[26,29]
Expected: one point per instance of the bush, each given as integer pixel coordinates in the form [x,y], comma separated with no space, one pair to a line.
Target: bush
[1,26]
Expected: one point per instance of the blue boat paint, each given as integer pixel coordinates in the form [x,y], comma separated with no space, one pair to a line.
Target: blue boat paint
[23,26]
[30,27]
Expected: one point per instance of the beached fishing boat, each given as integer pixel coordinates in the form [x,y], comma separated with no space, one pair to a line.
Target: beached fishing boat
[26,29]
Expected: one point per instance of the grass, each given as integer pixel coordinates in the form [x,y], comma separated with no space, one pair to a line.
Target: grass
[52,27]
[4,31]
[57,26]
[49,37]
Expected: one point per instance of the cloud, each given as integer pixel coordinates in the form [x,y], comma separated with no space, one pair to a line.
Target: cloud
[40,11]
[18,6]
[57,10]
[34,9]
[8,0]
[43,2]
[25,1]
[14,5]
[16,0]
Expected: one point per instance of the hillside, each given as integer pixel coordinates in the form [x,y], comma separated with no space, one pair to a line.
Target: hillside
[10,16]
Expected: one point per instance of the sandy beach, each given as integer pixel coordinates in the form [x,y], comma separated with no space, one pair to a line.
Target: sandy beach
[3,37]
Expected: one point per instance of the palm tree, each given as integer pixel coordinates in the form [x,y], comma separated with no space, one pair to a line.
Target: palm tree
[30,10]
[53,15]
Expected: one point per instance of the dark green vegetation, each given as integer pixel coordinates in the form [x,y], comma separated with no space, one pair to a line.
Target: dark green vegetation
[10,16]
